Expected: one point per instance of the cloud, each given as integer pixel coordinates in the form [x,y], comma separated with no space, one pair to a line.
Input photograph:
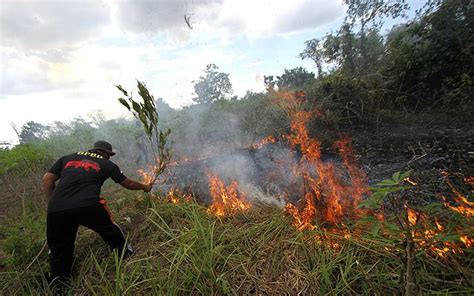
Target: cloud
[145,16]
[254,19]
[258,19]
[50,28]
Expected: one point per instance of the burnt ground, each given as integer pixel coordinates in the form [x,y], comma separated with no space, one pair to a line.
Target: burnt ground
[430,149]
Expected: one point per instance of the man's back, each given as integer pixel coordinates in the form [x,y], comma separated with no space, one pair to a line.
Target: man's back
[82,175]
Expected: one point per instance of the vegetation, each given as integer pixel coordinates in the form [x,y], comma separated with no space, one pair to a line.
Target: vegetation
[181,249]
[148,116]
[408,237]
[213,86]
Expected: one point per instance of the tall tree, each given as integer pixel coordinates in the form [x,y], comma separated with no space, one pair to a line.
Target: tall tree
[294,78]
[212,86]
[31,132]
[357,46]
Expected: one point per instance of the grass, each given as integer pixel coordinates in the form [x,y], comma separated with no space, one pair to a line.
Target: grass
[180,249]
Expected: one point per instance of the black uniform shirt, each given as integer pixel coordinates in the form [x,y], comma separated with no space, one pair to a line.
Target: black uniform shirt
[81,177]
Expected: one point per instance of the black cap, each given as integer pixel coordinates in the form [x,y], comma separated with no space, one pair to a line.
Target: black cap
[105,146]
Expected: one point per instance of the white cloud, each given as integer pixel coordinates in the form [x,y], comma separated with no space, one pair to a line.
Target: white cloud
[60,59]
[49,27]
[254,19]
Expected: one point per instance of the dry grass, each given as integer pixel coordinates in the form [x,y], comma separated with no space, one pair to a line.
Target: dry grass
[180,249]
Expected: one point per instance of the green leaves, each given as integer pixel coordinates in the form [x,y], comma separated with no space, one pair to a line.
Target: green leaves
[125,103]
[145,111]
[21,158]
[396,179]
[382,189]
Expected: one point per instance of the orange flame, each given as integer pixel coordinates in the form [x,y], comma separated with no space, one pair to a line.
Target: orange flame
[424,235]
[172,197]
[464,206]
[175,195]
[264,141]
[468,242]
[412,216]
[147,175]
[226,200]
[326,193]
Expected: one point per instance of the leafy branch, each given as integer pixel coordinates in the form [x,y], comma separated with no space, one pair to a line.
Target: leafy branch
[382,189]
[147,114]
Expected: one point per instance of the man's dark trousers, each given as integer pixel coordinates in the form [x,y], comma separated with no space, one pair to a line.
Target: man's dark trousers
[62,228]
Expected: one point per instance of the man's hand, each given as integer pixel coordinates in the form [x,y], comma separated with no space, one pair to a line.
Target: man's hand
[148,187]
[134,185]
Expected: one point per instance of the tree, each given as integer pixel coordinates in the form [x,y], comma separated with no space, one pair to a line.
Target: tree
[32,132]
[293,78]
[212,86]
[362,13]
[357,47]
[432,57]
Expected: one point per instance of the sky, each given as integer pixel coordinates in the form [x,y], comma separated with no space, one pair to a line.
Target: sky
[62,59]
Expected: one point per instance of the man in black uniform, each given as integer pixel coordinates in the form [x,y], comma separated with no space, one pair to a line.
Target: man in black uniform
[75,200]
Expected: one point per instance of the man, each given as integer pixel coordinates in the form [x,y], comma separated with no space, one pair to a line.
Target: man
[75,200]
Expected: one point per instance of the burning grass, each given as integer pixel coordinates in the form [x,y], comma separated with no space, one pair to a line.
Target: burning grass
[181,249]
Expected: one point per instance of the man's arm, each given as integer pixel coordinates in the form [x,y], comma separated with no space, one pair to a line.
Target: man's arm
[48,183]
[134,185]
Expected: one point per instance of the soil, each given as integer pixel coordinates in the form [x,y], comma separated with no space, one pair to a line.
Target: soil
[434,151]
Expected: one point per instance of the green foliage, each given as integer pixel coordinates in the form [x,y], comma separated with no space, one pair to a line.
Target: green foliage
[291,79]
[213,86]
[22,239]
[362,13]
[22,158]
[422,65]
[432,57]
[32,132]
[147,114]
[382,189]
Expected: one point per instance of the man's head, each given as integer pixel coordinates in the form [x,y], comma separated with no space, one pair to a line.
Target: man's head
[103,146]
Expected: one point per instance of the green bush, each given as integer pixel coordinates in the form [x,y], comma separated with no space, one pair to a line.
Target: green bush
[23,238]
[22,158]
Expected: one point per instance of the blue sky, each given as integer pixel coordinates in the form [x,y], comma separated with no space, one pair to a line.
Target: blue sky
[61,59]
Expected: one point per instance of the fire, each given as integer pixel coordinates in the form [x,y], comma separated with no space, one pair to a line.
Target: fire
[226,200]
[408,180]
[424,235]
[172,197]
[147,175]
[326,193]
[300,221]
[412,216]
[464,206]
[468,242]
[175,195]
[264,141]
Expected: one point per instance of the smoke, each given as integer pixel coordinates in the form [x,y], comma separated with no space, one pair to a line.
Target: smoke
[214,142]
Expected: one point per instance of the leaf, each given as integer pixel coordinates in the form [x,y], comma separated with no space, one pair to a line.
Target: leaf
[387,182]
[122,90]
[125,103]
[396,177]
[405,174]
[136,107]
